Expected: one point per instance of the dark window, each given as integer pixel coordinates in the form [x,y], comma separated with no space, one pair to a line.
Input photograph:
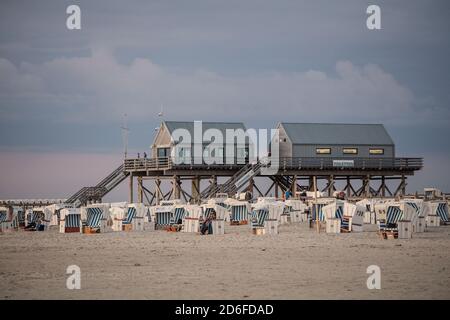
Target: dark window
[163,152]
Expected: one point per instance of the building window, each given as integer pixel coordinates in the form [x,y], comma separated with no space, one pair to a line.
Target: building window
[323,150]
[350,150]
[163,152]
[376,151]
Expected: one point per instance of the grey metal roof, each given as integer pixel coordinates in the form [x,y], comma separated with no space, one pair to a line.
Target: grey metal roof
[337,133]
[189,125]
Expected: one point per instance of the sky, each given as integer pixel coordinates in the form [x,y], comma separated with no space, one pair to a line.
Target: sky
[63,93]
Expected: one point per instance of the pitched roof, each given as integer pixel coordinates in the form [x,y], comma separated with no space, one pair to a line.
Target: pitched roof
[337,133]
[189,125]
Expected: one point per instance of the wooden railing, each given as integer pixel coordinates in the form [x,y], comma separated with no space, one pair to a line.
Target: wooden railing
[297,163]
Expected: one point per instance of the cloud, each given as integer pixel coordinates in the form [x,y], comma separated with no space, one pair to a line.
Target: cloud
[98,88]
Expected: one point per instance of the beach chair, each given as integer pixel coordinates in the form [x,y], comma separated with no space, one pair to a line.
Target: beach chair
[276,209]
[332,212]
[414,210]
[296,210]
[70,220]
[442,212]
[20,217]
[214,217]
[239,211]
[128,217]
[436,213]
[177,218]
[96,218]
[259,217]
[5,224]
[388,228]
[318,214]
[34,219]
[191,221]
[162,216]
[9,219]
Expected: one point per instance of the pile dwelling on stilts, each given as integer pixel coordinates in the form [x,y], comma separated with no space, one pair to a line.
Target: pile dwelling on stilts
[349,154]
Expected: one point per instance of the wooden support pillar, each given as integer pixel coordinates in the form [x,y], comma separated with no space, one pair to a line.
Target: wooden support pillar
[214,181]
[276,190]
[158,192]
[383,186]
[403,190]
[176,187]
[140,190]
[348,187]
[294,185]
[196,189]
[251,184]
[315,204]
[311,184]
[367,186]
[330,186]
[130,200]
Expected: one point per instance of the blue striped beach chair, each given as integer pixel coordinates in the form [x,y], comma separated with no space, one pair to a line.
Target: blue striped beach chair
[131,214]
[32,217]
[208,213]
[3,216]
[162,219]
[393,215]
[178,215]
[239,214]
[73,221]
[21,218]
[94,216]
[345,221]
[414,206]
[3,222]
[442,212]
[259,216]
[318,216]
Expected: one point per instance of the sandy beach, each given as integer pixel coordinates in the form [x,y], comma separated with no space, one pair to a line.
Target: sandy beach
[296,264]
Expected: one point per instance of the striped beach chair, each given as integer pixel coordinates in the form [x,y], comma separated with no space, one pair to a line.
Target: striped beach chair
[3,216]
[319,214]
[442,212]
[239,214]
[21,218]
[162,219]
[131,214]
[94,215]
[259,216]
[345,221]
[73,221]
[3,221]
[208,213]
[178,215]
[393,215]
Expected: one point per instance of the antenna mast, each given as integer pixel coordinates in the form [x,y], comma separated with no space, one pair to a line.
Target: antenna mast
[125,131]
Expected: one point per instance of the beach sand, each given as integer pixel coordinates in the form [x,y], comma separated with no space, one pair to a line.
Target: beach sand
[296,264]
